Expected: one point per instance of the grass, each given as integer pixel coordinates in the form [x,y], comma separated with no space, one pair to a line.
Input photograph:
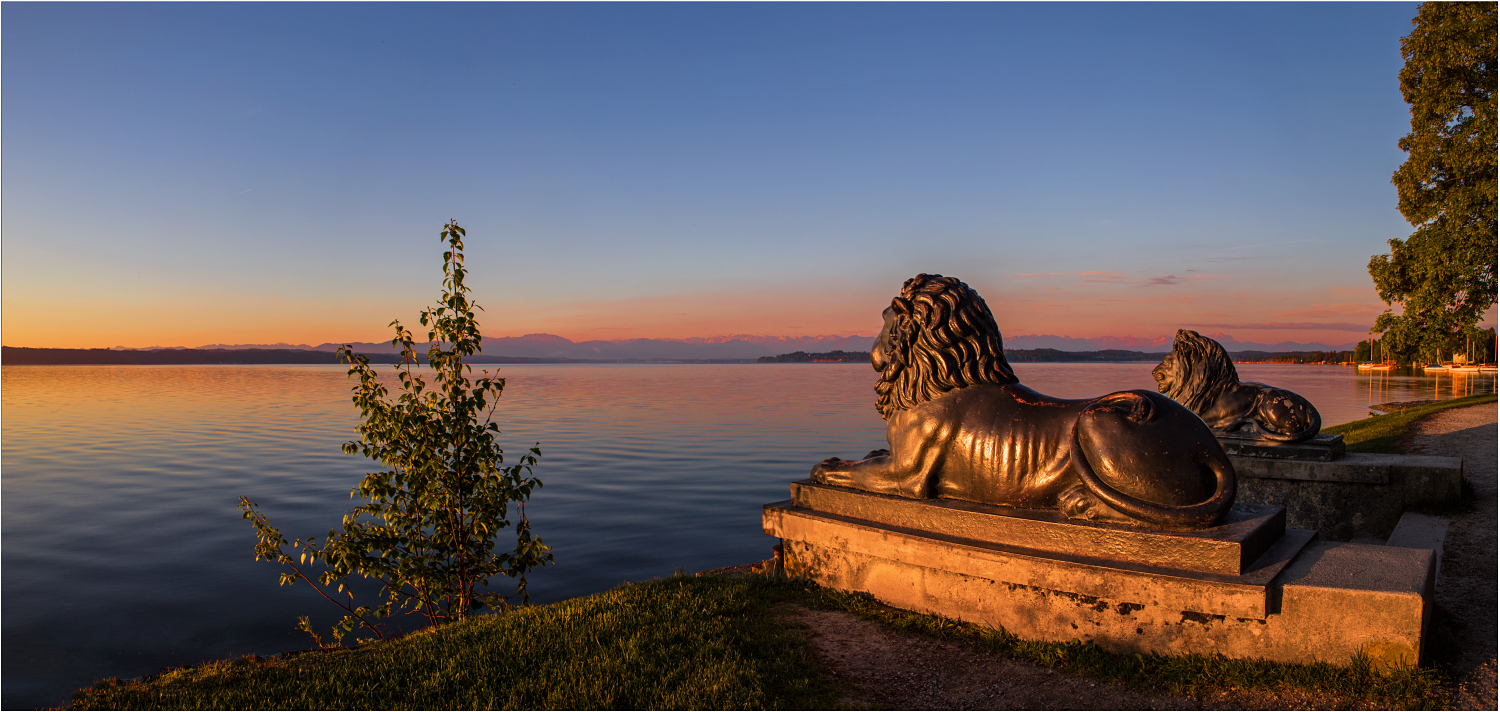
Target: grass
[707,642]
[1381,433]
[677,643]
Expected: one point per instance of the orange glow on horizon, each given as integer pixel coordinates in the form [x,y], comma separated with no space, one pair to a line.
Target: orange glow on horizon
[1086,311]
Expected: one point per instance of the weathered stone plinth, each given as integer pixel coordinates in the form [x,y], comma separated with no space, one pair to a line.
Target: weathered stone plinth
[1230,548]
[1296,600]
[1322,447]
[1357,495]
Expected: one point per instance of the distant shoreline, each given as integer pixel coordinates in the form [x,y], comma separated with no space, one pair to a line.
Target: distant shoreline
[1058,356]
[24,356]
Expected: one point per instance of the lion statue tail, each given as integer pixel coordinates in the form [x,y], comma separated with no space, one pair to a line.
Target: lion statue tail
[1194,516]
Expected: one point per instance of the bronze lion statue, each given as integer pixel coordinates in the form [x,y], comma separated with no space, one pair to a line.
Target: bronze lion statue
[1200,375]
[961,426]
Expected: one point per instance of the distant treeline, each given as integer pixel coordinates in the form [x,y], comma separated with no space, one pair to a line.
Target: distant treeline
[1055,356]
[23,356]
[1117,355]
[1019,355]
[1293,356]
[1108,355]
[829,357]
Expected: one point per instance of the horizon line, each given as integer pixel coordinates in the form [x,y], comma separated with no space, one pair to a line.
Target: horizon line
[696,340]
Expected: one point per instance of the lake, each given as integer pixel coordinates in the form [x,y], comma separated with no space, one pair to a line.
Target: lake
[124,552]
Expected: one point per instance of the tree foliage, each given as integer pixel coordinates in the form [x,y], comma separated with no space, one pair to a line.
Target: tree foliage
[1443,274]
[427,528]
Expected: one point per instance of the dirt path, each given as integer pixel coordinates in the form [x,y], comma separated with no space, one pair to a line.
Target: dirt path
[908,671]
[893,670]
[1466,585]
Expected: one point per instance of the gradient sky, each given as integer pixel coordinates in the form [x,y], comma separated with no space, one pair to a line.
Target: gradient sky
[186,174]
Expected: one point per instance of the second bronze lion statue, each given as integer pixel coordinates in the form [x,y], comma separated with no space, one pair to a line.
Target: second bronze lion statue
[1200,375]
[961,426]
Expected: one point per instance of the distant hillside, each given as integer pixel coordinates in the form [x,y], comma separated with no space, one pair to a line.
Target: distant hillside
[750,347]
[830,357]
[719,349]
[1056,356]
[1118,356]
[1157,344]
[1017,355]
[22,356]
[1105,356]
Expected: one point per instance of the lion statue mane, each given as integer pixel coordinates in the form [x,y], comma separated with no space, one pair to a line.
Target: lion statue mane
[1200,375]
[961,426]
[943,338]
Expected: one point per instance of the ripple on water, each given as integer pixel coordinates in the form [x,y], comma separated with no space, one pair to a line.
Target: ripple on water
[124,551]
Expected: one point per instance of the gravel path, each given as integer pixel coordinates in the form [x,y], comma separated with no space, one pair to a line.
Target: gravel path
[893,670]
[1466,585]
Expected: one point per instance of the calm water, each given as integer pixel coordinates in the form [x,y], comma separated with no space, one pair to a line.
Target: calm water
[124,553]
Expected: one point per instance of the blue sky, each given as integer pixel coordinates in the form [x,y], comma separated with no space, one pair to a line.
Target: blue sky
[182,174]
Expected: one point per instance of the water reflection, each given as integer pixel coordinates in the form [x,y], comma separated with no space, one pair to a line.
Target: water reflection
[1407,385]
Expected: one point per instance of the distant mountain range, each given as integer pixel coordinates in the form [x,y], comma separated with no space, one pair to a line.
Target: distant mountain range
[1158,344]
[548,346]
[743,346]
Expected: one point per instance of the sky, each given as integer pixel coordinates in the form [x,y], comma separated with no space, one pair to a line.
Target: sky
[184,174]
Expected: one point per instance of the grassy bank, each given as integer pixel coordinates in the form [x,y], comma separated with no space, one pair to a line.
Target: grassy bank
[683,643]
[678,643]
[1381,433]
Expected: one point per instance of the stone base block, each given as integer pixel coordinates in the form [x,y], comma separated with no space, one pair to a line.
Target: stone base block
[1322,447]
[1357,495]
[1245,534]
[1300,602]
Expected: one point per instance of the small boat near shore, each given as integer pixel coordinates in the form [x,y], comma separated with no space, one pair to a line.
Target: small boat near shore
[1435,368]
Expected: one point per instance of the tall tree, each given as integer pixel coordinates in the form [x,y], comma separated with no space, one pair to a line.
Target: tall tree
[1443,274]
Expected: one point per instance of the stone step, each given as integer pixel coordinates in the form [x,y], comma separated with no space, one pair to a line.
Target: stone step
[1421,531]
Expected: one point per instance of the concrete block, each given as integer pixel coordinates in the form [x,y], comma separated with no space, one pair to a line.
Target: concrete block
[1300,602]
[1421,531]
[1358,495]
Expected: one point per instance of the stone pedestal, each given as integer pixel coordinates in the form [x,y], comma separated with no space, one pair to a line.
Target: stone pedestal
[1356,495]
[1248,589]
[1322,447]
